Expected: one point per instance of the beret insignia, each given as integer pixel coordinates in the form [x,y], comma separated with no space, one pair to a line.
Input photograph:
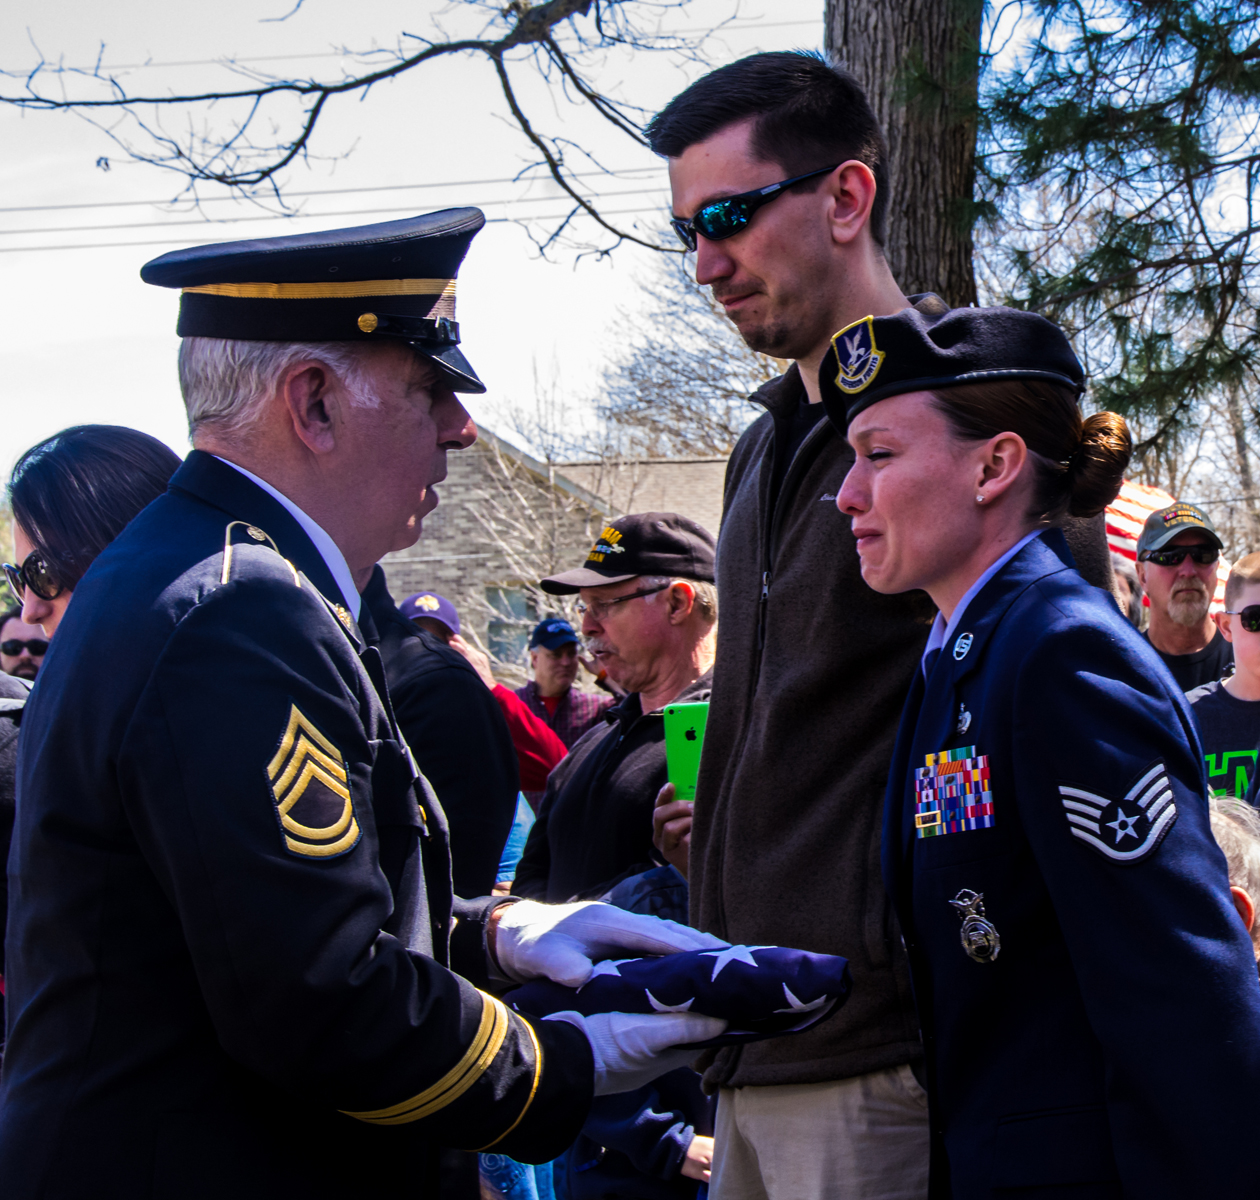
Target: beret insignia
[1127,830]
[310,789]
[857,354]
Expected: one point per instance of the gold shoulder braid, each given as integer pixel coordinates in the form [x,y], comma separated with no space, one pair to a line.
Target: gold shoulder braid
[258,535]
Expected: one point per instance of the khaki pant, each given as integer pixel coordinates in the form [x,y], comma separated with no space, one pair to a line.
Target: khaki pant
[864,1138]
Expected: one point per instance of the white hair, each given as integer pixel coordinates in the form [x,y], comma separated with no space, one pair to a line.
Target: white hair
[706,601]
[1236,827]
[226,383]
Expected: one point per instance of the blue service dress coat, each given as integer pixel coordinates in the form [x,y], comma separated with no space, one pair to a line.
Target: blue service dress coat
[1088,996]
[230,902]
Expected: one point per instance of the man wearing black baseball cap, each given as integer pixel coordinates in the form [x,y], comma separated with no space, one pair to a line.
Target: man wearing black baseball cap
[649,617]
[1177,557]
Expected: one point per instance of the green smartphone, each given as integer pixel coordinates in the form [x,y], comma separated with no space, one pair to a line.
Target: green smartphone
[684,737]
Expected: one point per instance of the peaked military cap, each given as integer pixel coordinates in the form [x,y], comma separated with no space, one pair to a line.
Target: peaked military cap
[393,280]
[911,351]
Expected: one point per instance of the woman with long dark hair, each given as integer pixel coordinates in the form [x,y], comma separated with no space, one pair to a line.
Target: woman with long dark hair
[1087,992]
[71,495]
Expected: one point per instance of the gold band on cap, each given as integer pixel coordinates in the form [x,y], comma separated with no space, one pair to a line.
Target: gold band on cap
[328,291]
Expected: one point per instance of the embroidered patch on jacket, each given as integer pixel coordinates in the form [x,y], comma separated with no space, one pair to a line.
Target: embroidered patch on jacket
[952,793]
[311,791]
[1128,830]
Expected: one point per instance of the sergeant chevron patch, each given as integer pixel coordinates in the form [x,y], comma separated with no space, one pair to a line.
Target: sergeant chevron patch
[311,791]
[1128,830]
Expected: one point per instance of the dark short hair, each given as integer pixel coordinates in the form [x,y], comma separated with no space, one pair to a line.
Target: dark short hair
[75,492]
[9,614]
[808,114]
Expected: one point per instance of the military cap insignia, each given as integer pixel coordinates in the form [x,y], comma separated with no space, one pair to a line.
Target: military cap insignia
[607,544]
[857,354]
[311,791]
[1128,830]
[952,793]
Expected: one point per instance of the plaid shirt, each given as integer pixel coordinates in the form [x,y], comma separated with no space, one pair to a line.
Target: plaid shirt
[575,714]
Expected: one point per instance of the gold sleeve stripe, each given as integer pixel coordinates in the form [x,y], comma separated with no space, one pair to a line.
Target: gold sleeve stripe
[349,290]
[299,724]
[533,1091]
[487,1042]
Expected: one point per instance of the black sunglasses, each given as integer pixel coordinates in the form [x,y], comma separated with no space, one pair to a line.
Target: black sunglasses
[1250,617]
[725,218]
[34,573]
[13,647]
[1176,556]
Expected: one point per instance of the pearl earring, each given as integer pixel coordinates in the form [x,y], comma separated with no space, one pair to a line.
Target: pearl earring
[979,499]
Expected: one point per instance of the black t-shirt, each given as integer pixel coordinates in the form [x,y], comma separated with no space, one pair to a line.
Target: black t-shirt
[789,433]
[1213,662]
[1230,731]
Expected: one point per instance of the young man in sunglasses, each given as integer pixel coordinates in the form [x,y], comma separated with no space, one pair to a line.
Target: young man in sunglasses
[1228,710]
[778,172]
[22,646]
[1177,557]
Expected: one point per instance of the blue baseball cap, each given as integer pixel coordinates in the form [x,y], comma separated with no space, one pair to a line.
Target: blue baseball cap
[553,632]
[430,604]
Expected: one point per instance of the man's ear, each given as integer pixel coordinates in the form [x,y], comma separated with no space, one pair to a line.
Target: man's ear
[1223,623]
[307,392]
[851,189]
[1246,909]
[682,599]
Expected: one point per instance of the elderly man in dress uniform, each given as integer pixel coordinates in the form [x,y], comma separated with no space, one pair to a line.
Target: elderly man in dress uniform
[231,914]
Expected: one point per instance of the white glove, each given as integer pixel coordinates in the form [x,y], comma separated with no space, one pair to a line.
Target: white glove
[562,942]
[632,1049]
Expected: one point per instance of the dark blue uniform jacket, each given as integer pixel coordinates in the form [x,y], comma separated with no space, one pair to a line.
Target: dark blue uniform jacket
[1111,1047]
[230,897]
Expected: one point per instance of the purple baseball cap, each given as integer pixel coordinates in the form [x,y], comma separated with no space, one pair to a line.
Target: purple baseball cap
[430,604]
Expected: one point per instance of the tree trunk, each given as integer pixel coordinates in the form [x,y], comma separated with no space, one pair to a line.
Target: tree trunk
[918,61]
[1242,453]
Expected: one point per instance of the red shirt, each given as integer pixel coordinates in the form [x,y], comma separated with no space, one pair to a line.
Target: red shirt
[538,748]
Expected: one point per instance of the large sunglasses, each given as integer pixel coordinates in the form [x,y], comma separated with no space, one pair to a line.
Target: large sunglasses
[35,574]
[1250,617]
[725,218]
[36,647]
[1203,555]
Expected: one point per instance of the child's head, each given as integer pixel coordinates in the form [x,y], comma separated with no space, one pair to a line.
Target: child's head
[1240,626]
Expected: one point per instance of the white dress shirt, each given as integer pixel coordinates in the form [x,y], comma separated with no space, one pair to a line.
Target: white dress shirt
[333,558]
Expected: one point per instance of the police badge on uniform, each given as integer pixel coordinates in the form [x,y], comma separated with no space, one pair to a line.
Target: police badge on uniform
[952,792]
[857,354]
[979,936]
[1127,830]
[311,791]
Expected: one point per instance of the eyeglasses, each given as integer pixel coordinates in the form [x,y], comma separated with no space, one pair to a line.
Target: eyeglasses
[726,217]
[1250,617]
[1203,555]
[34,574]
[13,647]
[599,609]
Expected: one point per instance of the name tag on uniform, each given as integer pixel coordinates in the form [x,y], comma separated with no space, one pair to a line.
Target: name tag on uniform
[952,793]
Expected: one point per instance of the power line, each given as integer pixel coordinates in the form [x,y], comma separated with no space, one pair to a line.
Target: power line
[259,58]
[617,212]
[387,187]
[354,212]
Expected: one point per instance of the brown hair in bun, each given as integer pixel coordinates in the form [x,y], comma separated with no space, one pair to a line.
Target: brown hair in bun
[1079,463]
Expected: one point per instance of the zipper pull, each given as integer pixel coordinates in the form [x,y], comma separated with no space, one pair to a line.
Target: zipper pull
[765,586]
[761,610]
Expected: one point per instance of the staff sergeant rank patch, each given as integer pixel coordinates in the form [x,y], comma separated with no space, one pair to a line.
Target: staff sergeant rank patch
[1128,830]
[311,792]
[952,793]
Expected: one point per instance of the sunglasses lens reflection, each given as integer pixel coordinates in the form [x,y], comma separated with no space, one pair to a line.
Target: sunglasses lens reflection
[1250,618]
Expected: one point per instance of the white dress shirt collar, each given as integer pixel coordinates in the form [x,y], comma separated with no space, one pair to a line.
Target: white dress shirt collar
[943,631]
[333,558]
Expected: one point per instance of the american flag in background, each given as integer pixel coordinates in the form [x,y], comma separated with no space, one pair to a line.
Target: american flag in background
[1127,514]
[763,991]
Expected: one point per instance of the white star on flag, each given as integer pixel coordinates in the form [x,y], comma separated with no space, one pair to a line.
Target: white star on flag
[607,967]
[659,1007]
[732,954]
[798,1006]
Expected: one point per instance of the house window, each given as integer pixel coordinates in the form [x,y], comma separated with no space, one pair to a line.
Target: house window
[511,622]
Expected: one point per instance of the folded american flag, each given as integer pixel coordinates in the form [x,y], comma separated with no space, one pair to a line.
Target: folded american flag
[762,991]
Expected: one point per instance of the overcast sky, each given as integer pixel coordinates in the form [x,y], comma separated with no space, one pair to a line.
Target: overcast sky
[85,340]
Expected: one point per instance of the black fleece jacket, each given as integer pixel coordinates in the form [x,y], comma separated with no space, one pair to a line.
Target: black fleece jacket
[594,826]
